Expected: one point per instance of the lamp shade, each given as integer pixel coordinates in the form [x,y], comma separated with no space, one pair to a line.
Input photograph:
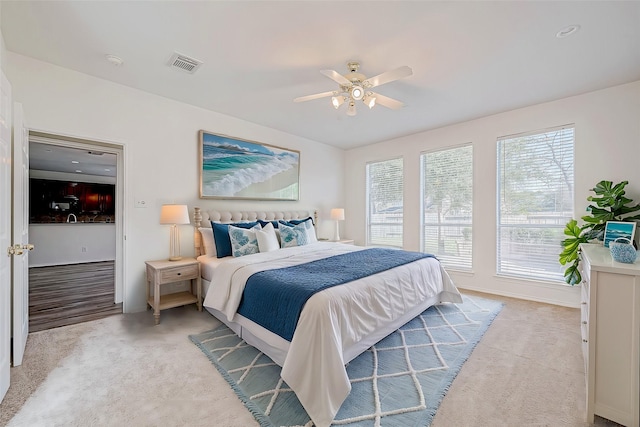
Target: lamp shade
[337,214]
[174,214]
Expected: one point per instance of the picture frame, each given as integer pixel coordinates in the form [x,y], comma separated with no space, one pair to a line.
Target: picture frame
[235,168]
[616,229]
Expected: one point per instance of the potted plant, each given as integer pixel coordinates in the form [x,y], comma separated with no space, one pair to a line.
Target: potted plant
[610,205]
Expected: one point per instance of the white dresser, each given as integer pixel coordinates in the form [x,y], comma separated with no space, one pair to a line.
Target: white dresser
[610,326]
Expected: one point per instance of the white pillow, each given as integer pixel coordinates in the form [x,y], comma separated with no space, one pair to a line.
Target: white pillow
[311,231]
[243,240]
[293,236]
[207,241]
[267,239]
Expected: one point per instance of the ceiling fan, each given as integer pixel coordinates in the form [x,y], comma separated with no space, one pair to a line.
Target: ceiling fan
[355,87]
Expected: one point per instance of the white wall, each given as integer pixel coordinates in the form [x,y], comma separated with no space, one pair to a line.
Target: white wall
[607,147]
[160,139]
[59,244]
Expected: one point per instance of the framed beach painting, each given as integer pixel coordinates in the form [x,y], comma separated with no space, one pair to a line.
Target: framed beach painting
[616,229]
[233,168]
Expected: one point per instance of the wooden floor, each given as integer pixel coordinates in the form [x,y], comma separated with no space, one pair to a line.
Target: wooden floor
[67,294]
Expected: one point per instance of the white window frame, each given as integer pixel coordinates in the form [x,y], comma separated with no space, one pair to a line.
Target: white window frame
[395,227]
[464,244]
[546,226]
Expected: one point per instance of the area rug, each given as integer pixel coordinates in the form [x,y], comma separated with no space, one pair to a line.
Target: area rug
[400,381]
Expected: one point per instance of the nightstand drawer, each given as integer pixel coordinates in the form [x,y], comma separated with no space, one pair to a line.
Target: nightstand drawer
[176,274]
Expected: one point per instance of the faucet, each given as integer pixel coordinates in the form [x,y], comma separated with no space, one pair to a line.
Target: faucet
[74,218]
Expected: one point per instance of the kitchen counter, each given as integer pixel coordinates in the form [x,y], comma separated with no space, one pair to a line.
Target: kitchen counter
[71,243]
[70,223]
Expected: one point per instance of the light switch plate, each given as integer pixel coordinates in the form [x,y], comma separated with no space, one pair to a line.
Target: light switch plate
[140,203]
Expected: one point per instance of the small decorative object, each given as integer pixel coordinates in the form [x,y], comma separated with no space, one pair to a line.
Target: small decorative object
[174,215]
[233,168]
[616,229]
[623,251]
[337,215]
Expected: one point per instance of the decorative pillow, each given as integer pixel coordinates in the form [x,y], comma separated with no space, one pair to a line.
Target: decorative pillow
[293,236]
[264,223]
[221,236]
[243,241]
[267,239]
[207,241]
[308,223]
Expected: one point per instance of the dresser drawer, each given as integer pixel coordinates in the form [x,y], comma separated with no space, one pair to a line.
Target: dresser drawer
[176,274]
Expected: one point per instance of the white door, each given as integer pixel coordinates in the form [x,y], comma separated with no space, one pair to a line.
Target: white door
[5,233]
[20,233]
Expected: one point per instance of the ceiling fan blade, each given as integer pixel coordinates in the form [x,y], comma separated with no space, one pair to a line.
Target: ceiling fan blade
[336,77]
[389,76]
[315,96]
[385,101]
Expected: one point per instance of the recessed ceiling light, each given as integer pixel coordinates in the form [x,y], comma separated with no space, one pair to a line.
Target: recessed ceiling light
[115,60]
[567,31]
[75,162]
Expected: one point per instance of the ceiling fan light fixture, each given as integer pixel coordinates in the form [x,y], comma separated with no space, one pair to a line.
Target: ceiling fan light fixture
[369,100]
[357,92]
[351,110]
[337,101]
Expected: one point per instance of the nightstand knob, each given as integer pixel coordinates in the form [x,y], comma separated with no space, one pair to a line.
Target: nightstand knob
[179,274]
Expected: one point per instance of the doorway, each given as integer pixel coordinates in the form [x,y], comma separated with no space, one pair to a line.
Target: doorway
[75,222]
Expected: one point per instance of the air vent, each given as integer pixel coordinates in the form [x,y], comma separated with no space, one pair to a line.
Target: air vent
[184,63]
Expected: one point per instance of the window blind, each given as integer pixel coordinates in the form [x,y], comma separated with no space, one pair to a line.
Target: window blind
[535,187]
[385,203]
[447,205]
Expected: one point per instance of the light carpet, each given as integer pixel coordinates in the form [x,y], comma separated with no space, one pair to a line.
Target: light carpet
[400,381]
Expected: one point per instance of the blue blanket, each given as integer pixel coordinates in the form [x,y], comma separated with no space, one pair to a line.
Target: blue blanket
[275,298]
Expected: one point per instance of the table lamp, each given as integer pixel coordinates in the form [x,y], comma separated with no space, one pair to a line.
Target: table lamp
[174,215]
[337,214]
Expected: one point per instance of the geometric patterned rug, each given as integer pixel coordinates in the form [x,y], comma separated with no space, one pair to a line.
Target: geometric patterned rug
[400,381]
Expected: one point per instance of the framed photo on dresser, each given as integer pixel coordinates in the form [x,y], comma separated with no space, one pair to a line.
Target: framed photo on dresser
[616,229]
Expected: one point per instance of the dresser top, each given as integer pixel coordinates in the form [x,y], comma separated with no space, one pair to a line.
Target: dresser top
[600,260]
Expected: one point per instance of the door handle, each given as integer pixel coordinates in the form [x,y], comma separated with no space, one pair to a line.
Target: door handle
[15,250]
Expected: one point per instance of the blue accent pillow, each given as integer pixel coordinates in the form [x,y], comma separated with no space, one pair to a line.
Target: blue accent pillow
[221,236]
[293,235]
[297,221]
[264,223]
[243,241]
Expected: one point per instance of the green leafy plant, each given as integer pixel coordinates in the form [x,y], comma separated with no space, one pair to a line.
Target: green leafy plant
[610,205]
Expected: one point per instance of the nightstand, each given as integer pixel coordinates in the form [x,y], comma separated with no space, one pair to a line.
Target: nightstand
[164,272]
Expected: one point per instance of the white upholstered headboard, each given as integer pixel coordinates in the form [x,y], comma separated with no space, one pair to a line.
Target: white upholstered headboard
[203,218]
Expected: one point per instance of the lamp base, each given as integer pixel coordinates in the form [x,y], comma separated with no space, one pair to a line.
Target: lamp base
[175,258]
[336,233]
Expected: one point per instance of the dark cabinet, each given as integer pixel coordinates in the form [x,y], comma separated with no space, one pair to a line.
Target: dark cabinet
[53,201]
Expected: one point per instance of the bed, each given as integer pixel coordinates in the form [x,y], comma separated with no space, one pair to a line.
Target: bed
[335,324]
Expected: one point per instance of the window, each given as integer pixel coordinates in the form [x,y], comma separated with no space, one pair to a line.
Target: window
[384,203]
[447,205]
[535,201]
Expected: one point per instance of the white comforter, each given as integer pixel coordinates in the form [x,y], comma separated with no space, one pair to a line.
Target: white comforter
[336,323]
